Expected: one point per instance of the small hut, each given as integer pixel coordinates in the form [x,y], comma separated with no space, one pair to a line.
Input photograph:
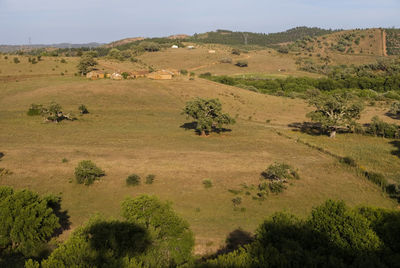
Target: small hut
[160,75]
[139,74]
[116,76]
[94,75]
[174,46]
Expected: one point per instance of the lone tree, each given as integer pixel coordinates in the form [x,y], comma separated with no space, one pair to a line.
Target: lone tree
[87,63]
[335,111]
[208,114]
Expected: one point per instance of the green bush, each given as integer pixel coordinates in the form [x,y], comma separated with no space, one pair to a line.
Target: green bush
[377,178]
[83,109]
[125,75]
[283,50]
[276,187]
[150,178]
[382,129]
[207,183]
[205,75]
[184,72]
[35,109]
[279,172]
[87,172]
[348,161]
[133,180]
[16,60]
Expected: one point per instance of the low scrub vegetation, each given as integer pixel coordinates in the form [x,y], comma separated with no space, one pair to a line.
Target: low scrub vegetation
[87,172]
[133,180]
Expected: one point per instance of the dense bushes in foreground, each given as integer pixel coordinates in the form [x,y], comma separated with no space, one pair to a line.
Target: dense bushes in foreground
[334,235]
[151,234]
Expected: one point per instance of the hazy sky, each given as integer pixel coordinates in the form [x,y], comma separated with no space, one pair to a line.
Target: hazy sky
[80,21]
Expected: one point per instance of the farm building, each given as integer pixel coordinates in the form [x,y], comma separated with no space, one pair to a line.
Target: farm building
[116,76]
[139,74]
[94,75]
[190,47]
[174,46]
[161,75]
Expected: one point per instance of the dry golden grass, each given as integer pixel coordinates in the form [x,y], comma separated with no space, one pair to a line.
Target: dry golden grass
[134,127]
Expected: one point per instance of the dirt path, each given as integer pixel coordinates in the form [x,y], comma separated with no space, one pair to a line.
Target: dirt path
[384,53]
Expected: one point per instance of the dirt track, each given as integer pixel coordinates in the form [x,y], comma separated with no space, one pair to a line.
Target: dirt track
[384,53]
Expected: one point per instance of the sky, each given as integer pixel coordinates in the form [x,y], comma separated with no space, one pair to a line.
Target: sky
[82,21]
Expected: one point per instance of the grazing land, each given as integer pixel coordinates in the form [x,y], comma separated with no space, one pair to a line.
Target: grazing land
[137,126]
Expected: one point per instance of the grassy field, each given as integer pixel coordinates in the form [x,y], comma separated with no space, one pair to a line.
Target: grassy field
[134,127]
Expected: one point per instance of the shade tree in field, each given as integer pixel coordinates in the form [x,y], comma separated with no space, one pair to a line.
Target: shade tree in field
[207,114]
[335,111]
[86,63]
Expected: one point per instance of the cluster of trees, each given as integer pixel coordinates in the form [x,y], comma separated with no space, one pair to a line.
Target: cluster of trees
[334,235]
[364,86]
[151,234]
[393,41]
[247,38]
[53,112]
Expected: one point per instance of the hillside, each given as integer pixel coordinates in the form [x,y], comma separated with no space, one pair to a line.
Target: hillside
[247,38]
[136,126]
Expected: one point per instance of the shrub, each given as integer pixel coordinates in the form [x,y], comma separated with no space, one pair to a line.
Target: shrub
[236,51]
[241,63]
[348,161]
[35,109]
[64,160]
[279,172]
[16,60]
[276,187]
[205,75]
[377,178]
[82,109]
[207,183]
[184,72]
[382,129]
[125,75]
[133,180]
[150,178]
[395,108]
[63,61]
[237,201]
[87,172]
[283,50]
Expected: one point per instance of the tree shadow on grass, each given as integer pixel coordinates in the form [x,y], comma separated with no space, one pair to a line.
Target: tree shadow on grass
[118,238]
[392,115]
[310,128]
[236,239]
[62,215]
[397,145]
[193,126]
[1,155]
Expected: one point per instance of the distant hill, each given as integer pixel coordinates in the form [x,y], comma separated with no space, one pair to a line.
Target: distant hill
[227,37]
[13,48]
